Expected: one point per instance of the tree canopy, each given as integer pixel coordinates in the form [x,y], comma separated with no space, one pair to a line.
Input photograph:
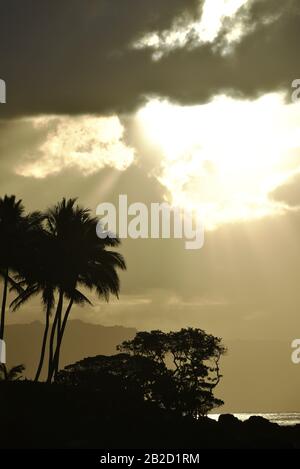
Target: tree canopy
[176,370]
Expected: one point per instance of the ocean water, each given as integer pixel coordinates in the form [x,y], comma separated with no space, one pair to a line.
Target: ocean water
[291,418]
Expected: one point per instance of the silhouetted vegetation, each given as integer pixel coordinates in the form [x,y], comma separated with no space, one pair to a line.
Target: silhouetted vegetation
[54,254]
[190,358]
[177,371]
[16,235]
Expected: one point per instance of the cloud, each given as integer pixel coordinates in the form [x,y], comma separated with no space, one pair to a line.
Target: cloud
[206,29]
[75,58]
[224,158]
[289,192]
[88,143]
[72,57]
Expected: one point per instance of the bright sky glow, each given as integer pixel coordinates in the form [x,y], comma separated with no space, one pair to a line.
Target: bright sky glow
[224,158]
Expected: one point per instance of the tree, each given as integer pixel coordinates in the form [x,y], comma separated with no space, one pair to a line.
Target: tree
[149,344]
[136,375]
[192,356]
[67,255]
[176,371]
[15,231]
[83,260]
[38,276]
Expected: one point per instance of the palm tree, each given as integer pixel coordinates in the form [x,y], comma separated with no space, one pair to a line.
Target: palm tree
[67,255]
[11,214]
[48,303]
[15,230]
[83,260]
[38,276]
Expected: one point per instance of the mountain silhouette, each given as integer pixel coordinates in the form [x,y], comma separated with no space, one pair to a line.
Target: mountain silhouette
[23,342]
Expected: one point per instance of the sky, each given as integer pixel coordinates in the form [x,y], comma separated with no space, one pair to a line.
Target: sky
[183,101]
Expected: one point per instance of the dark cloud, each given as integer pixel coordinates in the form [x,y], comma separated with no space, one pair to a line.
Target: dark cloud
[265,60]
[71,56]
[74,57]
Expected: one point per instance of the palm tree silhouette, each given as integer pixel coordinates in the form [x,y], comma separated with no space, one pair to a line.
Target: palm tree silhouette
[38,276]
[15,231]
[11,212]
[83,260]
[62,255]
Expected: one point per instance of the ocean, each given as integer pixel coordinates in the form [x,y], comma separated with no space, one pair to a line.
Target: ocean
[284,419]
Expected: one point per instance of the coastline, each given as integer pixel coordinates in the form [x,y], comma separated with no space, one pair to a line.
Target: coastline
[280,418]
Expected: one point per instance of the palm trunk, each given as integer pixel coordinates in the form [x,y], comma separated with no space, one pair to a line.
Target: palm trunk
[43,351]
[58,328]
[3,307]
[4,371]
[52,336]
[60,338]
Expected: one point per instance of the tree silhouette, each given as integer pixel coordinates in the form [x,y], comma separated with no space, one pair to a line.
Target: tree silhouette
[82,260]
[175,371]
[38,275]
[65,255]
[137,375]
[15,231]
[194,355]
